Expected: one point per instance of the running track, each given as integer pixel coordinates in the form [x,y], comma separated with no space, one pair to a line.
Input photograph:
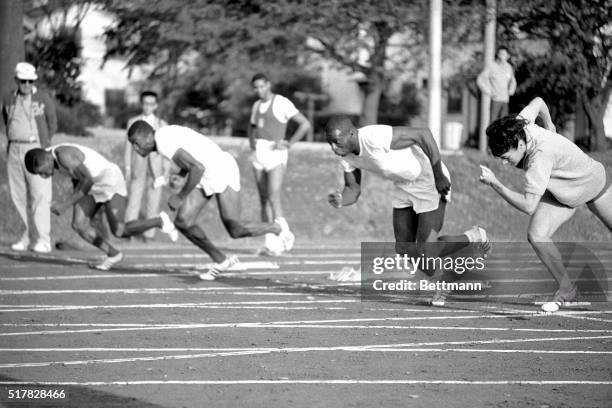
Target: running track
[149,334]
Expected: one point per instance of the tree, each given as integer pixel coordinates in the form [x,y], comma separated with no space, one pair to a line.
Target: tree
[55,46]
[255,35]
[578,38]
[11,42]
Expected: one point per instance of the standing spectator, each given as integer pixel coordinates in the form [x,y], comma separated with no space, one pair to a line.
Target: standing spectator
[145,173]
[497,80]
[269,117]
[30,121]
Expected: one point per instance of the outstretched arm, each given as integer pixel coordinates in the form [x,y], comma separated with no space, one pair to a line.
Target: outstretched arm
[351,191]
[194,170]
[537,107]
[404,137]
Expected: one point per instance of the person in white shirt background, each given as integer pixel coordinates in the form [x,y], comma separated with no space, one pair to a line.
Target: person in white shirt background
[269,117]
[497,80]
[145,175]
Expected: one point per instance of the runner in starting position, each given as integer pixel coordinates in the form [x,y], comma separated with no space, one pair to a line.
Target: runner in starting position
[559,177]
[99,184]
[410,158]
[209,172]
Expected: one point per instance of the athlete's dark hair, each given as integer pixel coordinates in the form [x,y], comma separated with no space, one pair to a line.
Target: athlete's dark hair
[139,127]
[257,76]
[342,123]
[148,93]
[504,134]
[33,159]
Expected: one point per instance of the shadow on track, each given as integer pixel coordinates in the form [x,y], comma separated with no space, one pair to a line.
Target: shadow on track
[77,397]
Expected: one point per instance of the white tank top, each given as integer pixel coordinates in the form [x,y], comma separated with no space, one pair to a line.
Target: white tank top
[94,162]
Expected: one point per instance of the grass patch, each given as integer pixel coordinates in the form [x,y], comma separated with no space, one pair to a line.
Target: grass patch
[313,172]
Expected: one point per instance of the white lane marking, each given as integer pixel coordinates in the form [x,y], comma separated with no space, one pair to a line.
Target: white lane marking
[594,319]
[493,316]
[54,309]
[308,382]
[255,351]
[251,325]
[199,349]
[142,291]
[308,326]
[104,276]
[28,266]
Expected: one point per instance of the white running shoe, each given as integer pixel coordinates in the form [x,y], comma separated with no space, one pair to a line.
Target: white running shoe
[230,263]
[479,234]
[168,226]
[347,274]
[42,248]
[108,262]
[439,298]
[265,251]
[560,300]
[285,235]
[21,245]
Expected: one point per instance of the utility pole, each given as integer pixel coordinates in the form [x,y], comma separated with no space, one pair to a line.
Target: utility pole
[489,55]
[11,42]
[435,62]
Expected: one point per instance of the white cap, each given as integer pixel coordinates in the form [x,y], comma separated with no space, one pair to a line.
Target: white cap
[23,70]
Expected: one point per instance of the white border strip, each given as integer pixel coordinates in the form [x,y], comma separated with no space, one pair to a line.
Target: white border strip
[308,382]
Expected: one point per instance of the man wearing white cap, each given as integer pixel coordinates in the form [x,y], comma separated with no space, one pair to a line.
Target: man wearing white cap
[30,121]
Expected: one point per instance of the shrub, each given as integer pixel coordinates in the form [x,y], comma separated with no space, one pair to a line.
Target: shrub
[73,120]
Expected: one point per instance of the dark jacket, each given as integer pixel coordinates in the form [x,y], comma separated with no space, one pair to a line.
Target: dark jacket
[44,114]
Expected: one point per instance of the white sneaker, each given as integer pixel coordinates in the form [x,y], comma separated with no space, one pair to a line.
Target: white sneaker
[21,245]
[439,298]
[560,300]
[265,251]
[168,226]
[285,235]
[347,274]
[479,234]
[42,248]
[108,262]
[230,263]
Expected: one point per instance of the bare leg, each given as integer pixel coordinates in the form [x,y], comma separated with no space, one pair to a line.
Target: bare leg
[84,210]
[405,222]
[186,222]
[261,180]
[275,183]
[229,210]
[602,208]
[548,217]
[115,212]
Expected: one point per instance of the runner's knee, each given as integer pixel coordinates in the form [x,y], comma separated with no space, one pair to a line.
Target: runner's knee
[80,224]
[182,223]
[235,229]
[117,228]
[535,236]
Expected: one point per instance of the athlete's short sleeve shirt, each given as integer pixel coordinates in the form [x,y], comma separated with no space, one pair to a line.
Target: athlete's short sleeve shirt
[554,163]
[283,109]
[377,156]
[169,139]
[409,169]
